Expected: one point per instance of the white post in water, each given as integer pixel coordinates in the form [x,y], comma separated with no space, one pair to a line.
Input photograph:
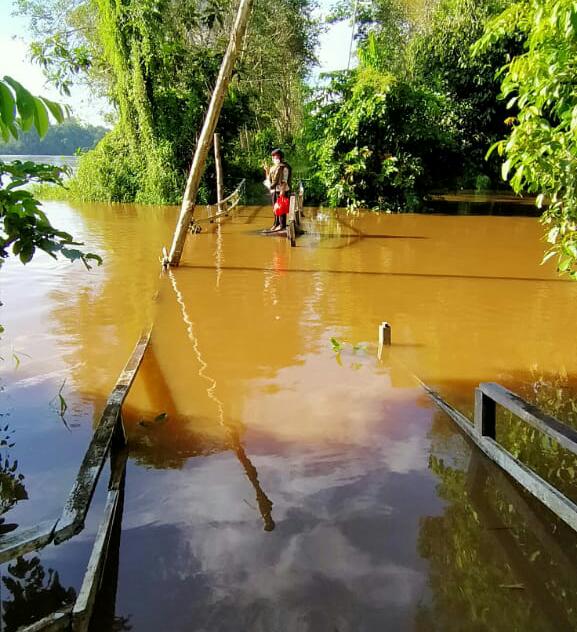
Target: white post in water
[205,138]
[384,337]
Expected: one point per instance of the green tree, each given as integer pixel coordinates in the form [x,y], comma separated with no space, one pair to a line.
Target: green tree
[157,60]
[418,112]
[540,85]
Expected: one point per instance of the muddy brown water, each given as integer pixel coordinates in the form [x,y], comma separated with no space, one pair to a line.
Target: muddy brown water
[280,477]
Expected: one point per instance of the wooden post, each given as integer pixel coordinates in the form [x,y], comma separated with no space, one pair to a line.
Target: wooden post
[205,139]
[384,337]
[485,415]
[218,166]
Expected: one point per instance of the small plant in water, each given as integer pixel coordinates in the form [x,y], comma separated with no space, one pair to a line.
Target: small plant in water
[340,345]
[60,406]
[337,345]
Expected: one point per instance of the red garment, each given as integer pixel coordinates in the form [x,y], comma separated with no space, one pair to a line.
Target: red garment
[281,206]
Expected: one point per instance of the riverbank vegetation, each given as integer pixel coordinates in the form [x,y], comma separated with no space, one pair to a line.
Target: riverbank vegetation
[419,111]
[434,87]
[157,61]
[65,139]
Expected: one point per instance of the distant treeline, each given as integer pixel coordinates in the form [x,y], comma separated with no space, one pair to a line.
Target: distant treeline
[60,140]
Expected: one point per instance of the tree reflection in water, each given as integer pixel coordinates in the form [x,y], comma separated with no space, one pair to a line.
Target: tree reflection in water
[12,488]
[498,561]
[35,593]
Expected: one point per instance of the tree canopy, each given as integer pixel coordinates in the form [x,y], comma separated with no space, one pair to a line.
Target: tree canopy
[418,112]
[157,62]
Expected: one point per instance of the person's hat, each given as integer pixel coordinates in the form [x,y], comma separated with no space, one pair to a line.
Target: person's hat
[277,152]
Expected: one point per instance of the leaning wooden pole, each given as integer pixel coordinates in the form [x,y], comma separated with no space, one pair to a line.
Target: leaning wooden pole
[218,165]
[205,139]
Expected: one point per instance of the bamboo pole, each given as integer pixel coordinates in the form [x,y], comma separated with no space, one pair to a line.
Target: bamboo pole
[205,139]
[218,165]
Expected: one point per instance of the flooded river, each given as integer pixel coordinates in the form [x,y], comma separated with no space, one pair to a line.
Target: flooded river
[281,478]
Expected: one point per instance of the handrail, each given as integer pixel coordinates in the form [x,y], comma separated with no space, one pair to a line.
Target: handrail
[235,195]
[71,521]
[563,434]
[483,434]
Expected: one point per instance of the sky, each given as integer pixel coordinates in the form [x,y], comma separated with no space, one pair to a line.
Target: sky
[333,54]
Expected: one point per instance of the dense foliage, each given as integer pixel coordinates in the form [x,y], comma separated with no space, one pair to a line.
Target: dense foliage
[418,112]
[24,227]
[65,139]
[541,83]
[157,61]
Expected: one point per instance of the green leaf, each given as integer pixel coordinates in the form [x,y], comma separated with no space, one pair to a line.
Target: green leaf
[55,109]
[7,104]
[564,264]
[40,118]
[24,103]
[336,344]
[5,132]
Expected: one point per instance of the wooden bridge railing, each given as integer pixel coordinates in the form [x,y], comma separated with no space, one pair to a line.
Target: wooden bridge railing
[108,439]
[483,435]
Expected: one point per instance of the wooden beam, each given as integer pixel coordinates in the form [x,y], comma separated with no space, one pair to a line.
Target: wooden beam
[206,135]
[384,338]
[76,506]
[218,168]
[563,434]
[485,414]
[55,622]
[87,596]
[25,540]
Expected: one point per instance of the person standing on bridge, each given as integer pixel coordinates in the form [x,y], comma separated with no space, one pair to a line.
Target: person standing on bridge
[278,179]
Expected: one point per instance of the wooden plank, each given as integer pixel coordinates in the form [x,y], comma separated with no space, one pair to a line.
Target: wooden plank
[76,506]
[82,610]
[563,434]
[274,233]
[118,460]
[24,541]
[464,424]
[292,209]
[301,195]
[208,128]
[55,622]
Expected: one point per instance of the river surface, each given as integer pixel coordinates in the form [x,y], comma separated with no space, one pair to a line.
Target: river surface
[281,478]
